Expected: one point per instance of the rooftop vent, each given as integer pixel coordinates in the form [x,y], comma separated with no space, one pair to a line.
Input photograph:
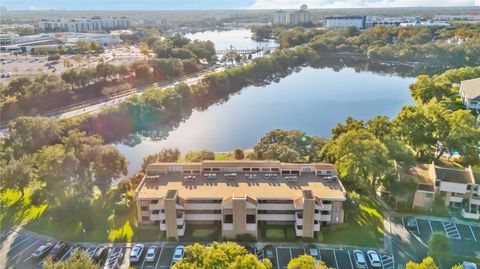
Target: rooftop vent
[307,194]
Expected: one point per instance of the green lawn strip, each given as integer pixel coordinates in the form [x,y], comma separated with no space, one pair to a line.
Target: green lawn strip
[203,233]
[363,228]
[100,221]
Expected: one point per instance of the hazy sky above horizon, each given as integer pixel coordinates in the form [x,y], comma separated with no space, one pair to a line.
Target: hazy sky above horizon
[219,4]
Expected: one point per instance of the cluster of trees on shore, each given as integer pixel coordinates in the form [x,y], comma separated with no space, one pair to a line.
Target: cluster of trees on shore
[426,45]
[27,95]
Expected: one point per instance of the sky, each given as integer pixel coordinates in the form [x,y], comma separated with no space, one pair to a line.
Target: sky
[219,4]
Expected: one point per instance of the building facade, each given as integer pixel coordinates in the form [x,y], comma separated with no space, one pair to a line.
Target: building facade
[458,188]
[295,17]
[470,93]
[95,23]
[341,22]
[238,197]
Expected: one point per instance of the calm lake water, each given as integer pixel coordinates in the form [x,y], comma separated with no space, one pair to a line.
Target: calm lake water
[238,38]
[313,100]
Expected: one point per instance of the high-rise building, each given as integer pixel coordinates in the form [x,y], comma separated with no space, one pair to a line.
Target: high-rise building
[294,17]
[96,23]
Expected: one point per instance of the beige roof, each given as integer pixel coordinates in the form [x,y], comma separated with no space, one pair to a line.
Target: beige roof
[454,175]
[220,188]
[471,88]
[163,166]
[240,163]
[420,172]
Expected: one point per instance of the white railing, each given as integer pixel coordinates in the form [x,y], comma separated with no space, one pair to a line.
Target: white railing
[163,226]
[325,217]
[475,200]
[228,226]
[207,206]
[298,232]
[181,231]
[181,219]
[203,217]
[470,215]
[327,207]
[316,227]
[456,199]
[276,217]
[298,220]
[266,206]
[154,207]
[154,217]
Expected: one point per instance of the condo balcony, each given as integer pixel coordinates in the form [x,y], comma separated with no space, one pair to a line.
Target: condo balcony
[298,230]
[456,198]
[316,226]
[180,218]
[181,230]
[299,218]
[470,215]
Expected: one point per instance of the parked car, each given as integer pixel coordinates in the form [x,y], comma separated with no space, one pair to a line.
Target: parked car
[178,254]
[374,259]
[136,253]
[42,250]
[100,254]
[469,265]
[313,251]
[58,250]
[360,261]
[268,252]
[412,224]
[151,254]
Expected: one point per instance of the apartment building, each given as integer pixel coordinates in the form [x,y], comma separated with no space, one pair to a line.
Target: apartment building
[95,23]
[470,93]
[341,22]
[294,17]
[457,187]
[240,196]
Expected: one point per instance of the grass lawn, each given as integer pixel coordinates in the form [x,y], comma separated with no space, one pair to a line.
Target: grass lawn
[103,222]
[203,233]
[279,233]
[362,228]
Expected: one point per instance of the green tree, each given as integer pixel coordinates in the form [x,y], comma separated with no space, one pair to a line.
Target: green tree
[198,156]
[306,262]
[438,245]
[78,260]
[427,263]
[350,124]
[360,158]
[227,255]
[352,204]
[238,154]
[18,174]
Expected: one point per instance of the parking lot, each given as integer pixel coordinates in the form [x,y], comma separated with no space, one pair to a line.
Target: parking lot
[455,231]
[16,250]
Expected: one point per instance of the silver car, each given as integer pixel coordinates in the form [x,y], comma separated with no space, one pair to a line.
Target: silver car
[360,261]
[136,253]
[151,254]
[374,259]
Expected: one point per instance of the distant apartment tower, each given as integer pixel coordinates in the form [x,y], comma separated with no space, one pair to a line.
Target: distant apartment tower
[341,22]
[474,16]
[96,23]
[295,17]
[240,197]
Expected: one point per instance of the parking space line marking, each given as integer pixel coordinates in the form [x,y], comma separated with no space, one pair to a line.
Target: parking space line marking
[335,256]
[471,230]
[7,250]
[159,254]
[276,254]
[350,258]
[416,224]
[429,223]
[25,249]
[5,234]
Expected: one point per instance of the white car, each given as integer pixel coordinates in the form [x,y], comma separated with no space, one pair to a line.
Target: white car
[136,253]
[151,254]
[360,261]
[178,254]
[469,265]
[374,259]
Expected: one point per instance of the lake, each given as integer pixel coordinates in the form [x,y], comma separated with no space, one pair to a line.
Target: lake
[313,100]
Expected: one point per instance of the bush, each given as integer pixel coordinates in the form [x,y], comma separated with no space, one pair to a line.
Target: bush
[53,57]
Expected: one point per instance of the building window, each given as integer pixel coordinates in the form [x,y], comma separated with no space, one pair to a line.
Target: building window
[275,170]
[228,218]
[145,218]
[155,211]
[154,201]
[428,195]
[144,208]
[337,219]
[255,169]
[437,183]
[251,219]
